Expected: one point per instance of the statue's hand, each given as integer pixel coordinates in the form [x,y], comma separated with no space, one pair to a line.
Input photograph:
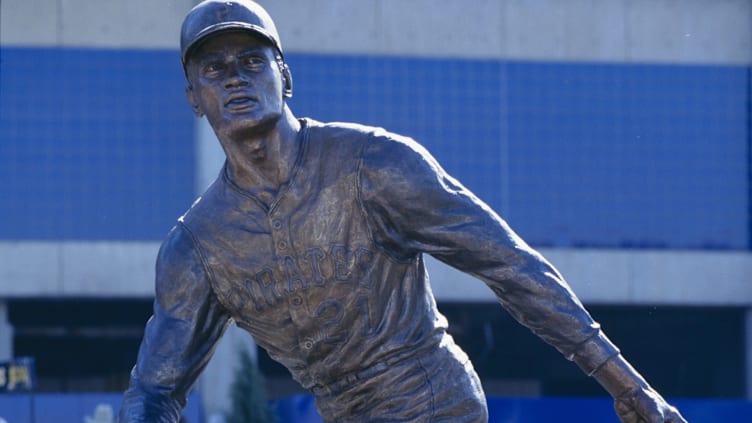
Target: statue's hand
[635,401]
[645,406]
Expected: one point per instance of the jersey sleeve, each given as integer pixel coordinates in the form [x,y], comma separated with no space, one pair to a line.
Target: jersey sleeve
[180,337]
[414,207]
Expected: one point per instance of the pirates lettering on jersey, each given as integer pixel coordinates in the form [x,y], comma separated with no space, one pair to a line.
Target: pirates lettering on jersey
[316,267]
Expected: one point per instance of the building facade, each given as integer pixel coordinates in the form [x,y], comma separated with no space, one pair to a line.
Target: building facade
[612,135]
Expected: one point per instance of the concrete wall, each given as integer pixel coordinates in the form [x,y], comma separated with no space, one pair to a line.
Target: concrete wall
[628,277]
[688,31]
[611,30]
[111,269]
[90,23]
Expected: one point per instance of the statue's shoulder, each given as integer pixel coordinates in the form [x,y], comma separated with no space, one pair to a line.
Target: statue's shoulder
[342,134]
[210,205]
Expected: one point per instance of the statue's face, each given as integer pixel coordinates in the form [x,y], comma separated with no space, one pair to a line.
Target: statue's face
[235,80]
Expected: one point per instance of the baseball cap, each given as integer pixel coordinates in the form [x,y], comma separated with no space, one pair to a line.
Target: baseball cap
[212,16]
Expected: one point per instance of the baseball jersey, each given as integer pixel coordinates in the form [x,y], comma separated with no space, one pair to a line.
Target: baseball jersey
[329,279]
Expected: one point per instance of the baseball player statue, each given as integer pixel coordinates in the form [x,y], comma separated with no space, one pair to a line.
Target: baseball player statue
[312,239]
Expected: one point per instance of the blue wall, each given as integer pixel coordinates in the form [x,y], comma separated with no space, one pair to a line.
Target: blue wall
[73,408]
[96,144]
[301,409]
[595,155]
[55,408]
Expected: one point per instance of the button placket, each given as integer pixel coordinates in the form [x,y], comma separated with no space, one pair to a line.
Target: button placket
[307,343]
[298,309]
[280,236]
[299,313]
[297,304]
[296,301]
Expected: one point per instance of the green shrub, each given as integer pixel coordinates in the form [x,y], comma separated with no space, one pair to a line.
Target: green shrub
[248,390]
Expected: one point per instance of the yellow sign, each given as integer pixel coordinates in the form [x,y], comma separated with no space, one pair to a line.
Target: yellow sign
[17,375]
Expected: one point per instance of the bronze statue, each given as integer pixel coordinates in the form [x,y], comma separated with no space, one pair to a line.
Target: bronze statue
[312,239]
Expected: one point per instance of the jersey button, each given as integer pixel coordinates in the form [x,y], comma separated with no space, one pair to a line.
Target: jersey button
[276,224]
[282,245]
[307,343]
[297,301]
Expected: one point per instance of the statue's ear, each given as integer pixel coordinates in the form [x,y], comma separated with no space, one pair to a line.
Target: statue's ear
[190,95]
[287,80]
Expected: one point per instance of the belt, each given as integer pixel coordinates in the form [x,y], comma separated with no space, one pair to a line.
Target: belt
[345,381]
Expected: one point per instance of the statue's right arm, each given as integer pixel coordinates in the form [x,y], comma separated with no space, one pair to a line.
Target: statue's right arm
[180,337]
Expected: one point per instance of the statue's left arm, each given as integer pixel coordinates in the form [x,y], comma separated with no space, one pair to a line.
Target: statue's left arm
[418,208]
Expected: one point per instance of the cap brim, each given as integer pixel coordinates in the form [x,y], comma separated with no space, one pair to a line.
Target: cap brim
[224,27]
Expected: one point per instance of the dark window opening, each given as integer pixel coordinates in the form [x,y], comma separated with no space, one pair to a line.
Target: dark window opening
[79,345]
[682,351]
[91,345]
